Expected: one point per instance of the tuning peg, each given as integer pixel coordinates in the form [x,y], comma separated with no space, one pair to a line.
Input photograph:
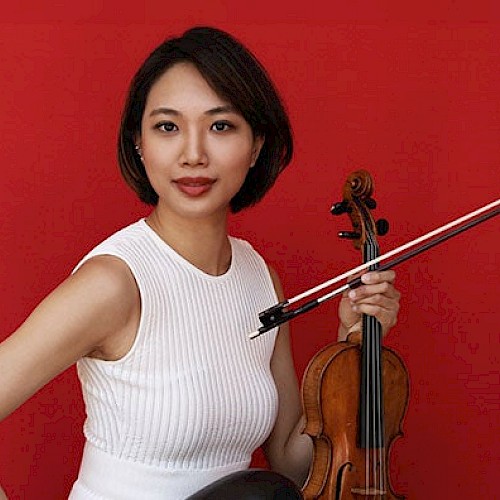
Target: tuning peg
[382,227]
[340,208]
[349,235]
[371,203]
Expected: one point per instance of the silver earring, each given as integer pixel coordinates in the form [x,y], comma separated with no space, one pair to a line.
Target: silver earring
[139,152]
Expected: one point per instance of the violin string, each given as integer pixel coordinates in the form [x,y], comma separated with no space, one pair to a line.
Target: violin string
[369,441]
[372,443]
[373,429]
[376,412]
[367,438]
[374,338]
[371,331]
[380,423]
[377,404]
[395,251]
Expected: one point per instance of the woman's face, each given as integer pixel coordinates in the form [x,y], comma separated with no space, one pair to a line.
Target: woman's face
[196,148]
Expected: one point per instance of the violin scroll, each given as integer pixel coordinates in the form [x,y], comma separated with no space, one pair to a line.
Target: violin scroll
[357,203]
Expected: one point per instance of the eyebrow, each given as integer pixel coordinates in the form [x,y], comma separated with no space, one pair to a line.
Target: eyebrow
[214,111]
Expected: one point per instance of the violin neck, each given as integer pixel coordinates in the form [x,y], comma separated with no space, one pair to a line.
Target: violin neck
[371,410]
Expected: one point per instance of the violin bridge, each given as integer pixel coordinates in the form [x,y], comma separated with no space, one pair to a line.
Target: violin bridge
[368,492]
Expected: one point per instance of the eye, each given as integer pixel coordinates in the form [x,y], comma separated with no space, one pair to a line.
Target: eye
[166,126]
[222,126]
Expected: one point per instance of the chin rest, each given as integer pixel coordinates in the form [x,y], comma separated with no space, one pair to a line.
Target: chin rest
[251,484]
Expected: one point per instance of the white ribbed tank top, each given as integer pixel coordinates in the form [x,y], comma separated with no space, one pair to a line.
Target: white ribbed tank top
[194,397]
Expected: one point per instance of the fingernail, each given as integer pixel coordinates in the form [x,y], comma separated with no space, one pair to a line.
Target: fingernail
[352,294]
[367,278]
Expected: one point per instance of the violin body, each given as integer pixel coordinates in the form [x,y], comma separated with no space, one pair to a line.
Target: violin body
[330,392]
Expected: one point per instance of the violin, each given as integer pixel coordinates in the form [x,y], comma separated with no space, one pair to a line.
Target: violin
[355,392]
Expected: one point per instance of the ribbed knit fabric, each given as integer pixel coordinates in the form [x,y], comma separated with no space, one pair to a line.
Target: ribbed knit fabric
[194,397]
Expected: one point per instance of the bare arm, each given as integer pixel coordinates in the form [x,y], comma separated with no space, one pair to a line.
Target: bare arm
[90,307]
[287,450]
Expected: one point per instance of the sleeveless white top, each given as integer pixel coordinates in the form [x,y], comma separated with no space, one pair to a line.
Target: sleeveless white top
[194,397]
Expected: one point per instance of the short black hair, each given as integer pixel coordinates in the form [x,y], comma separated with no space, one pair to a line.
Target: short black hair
[236,76]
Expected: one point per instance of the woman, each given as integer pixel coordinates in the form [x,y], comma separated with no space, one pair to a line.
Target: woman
[157,316]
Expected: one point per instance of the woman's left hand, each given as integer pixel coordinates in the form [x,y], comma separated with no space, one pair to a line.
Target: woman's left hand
[376,297]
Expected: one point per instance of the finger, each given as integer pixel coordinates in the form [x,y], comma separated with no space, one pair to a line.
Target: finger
[378,277]
[384,288]
[387,317]
[382,301]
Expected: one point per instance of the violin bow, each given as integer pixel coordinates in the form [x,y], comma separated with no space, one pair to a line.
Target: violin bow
[276,315]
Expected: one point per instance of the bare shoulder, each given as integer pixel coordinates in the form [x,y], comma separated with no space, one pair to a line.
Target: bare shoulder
[118,300]
[98,298]
[105,267]
[97,302]
[108,277]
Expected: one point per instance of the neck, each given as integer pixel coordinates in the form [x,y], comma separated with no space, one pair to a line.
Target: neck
[202,242]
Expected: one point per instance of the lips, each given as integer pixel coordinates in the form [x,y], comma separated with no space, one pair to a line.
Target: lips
[194,186]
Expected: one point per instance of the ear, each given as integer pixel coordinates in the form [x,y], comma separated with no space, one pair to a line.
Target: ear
[257,146]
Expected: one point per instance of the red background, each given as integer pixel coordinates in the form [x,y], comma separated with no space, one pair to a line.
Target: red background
[409,92]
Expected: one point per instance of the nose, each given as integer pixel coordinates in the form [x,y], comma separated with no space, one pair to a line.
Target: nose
[193,150]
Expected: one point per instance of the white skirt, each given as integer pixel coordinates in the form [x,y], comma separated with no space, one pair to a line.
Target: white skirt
[105,477]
